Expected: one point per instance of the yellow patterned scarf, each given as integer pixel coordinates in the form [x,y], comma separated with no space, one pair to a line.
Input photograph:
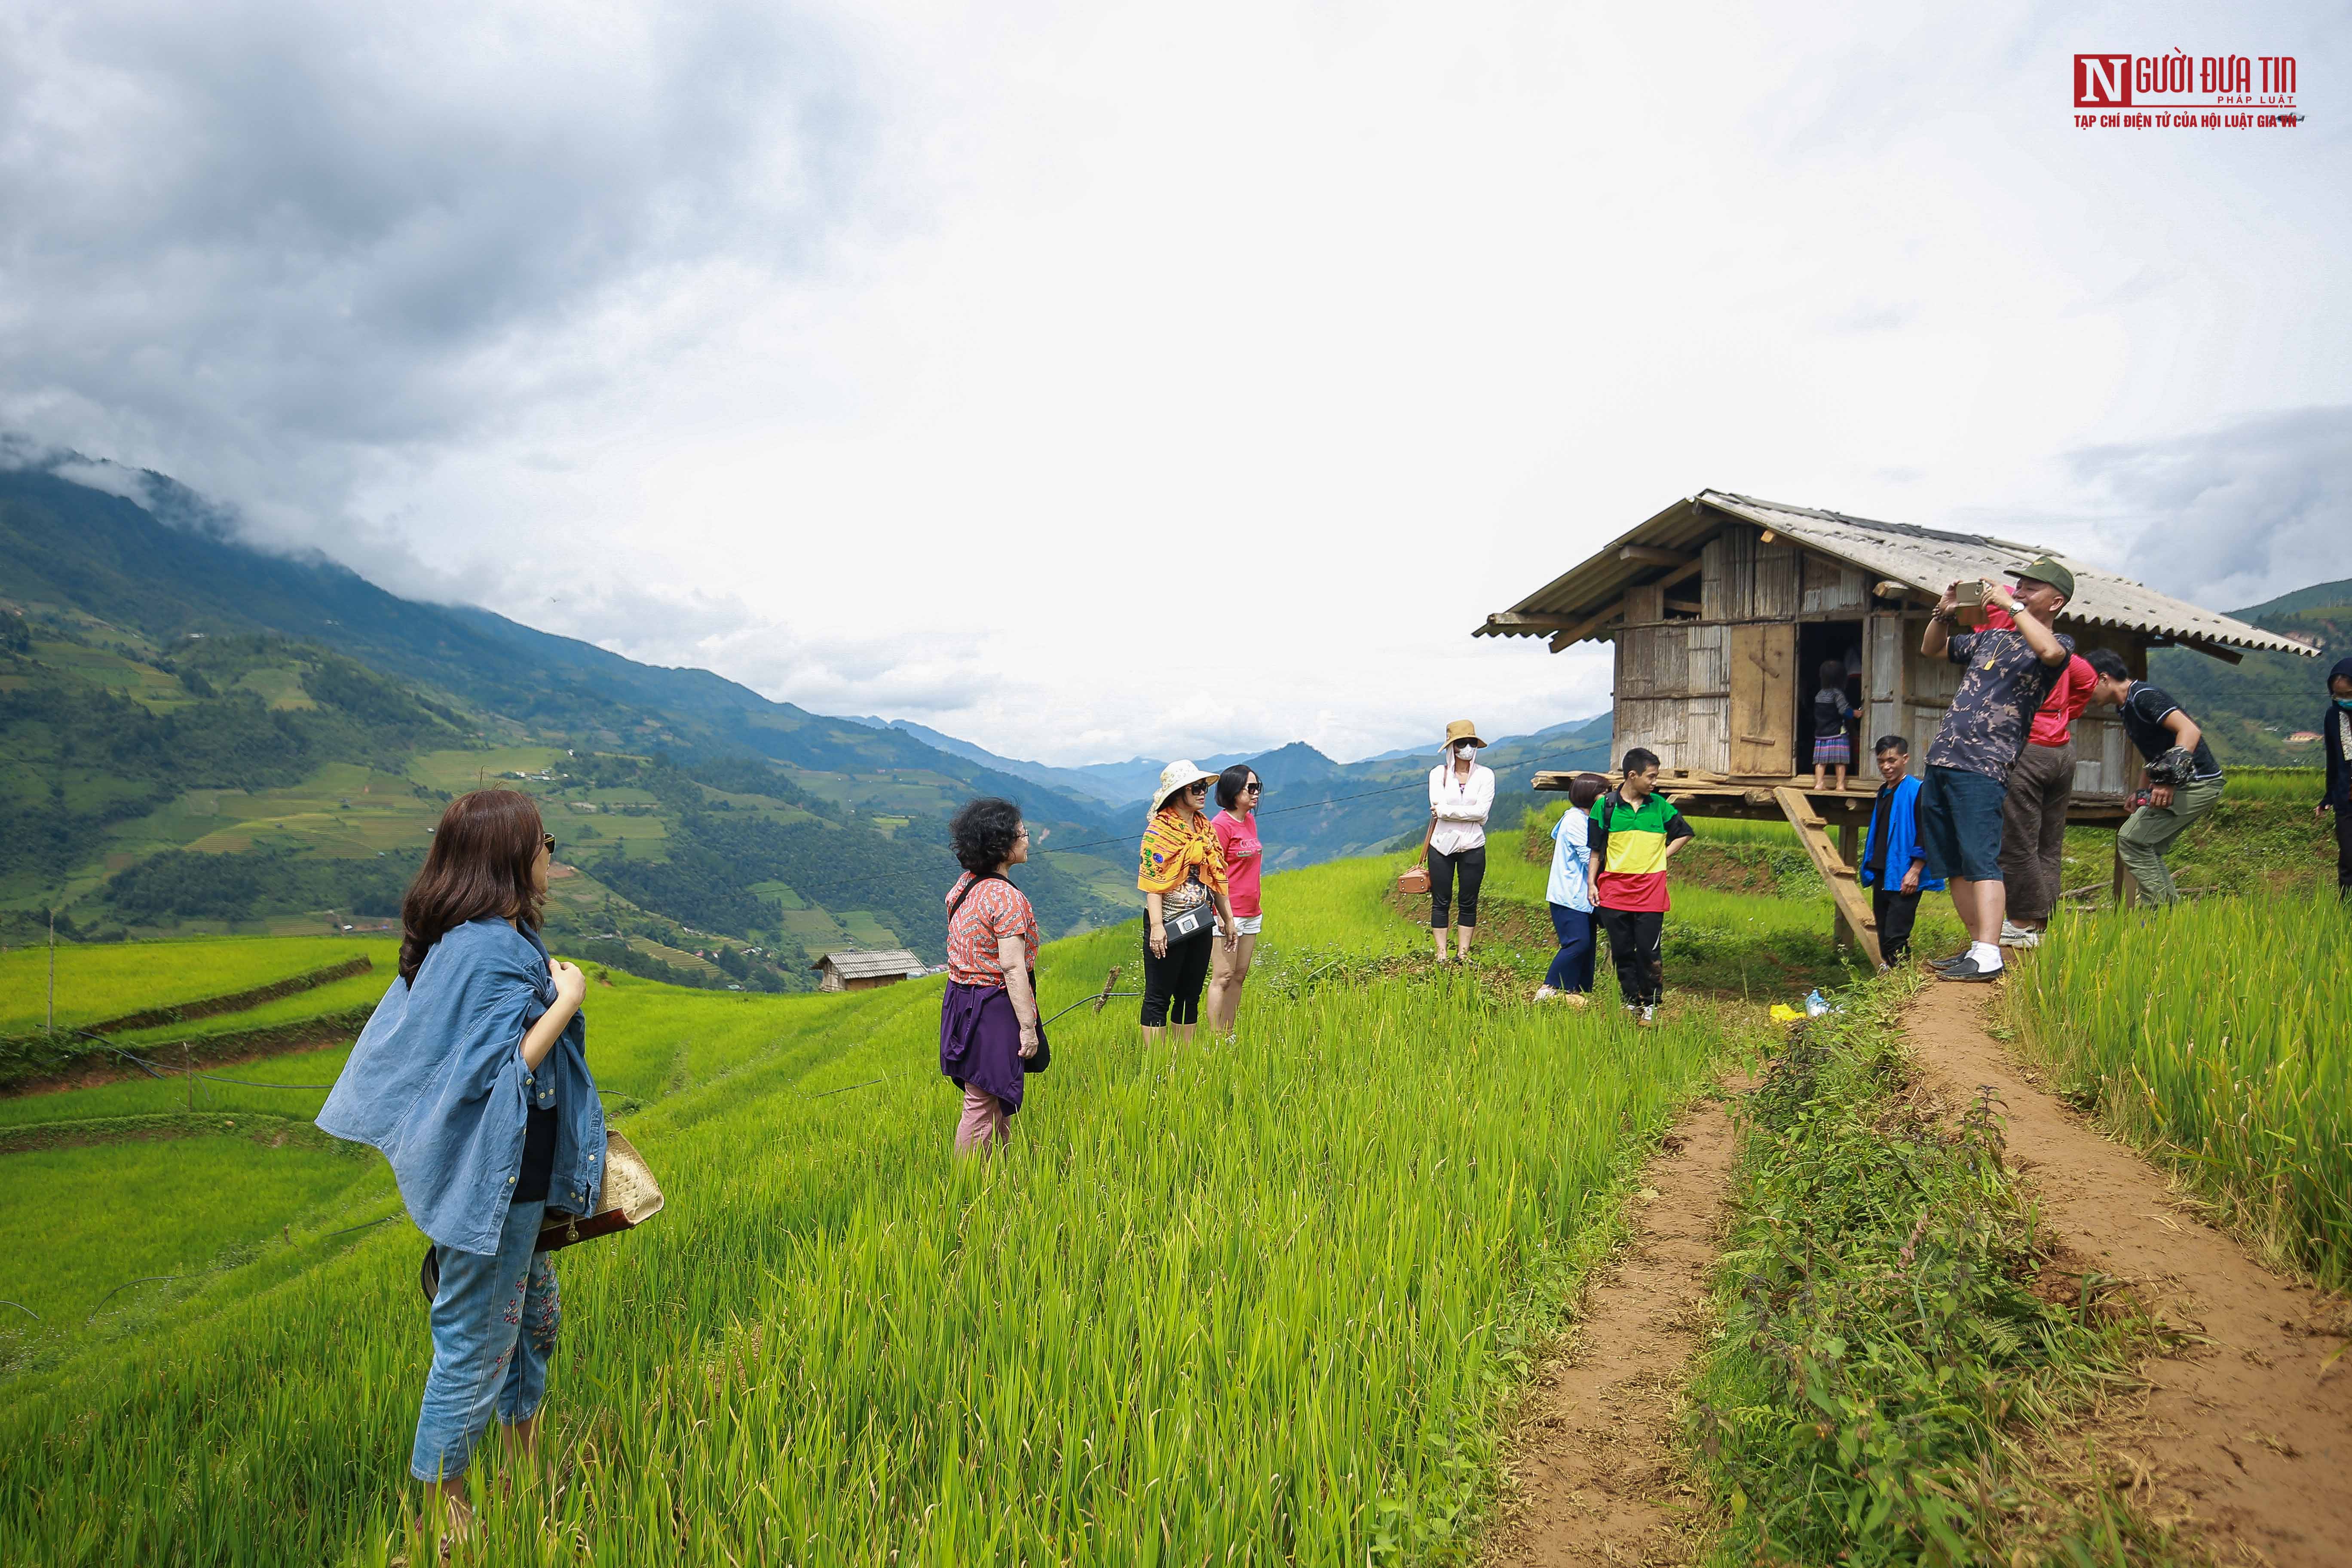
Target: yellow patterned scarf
[1173,849]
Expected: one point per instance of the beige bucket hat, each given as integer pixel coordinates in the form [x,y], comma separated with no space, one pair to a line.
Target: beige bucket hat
[1176,776]
[1462,730]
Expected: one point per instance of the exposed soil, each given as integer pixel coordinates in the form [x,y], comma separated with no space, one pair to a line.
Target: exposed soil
[1502,922]
[2244,1437]
[1592,1472]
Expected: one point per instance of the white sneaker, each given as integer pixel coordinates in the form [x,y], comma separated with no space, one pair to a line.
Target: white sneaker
[1650,1014]
[1545,992]
[2018,936]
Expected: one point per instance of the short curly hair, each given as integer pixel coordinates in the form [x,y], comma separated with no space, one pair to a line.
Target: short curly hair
[984,833]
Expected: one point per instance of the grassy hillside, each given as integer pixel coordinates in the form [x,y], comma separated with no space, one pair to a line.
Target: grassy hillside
[1264,1298]
[254,784]
[164,574]
[2249,709]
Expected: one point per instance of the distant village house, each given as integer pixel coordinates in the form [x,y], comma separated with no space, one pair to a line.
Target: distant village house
[856,971]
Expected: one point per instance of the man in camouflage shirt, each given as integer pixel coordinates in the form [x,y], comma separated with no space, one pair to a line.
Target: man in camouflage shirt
[2009,671]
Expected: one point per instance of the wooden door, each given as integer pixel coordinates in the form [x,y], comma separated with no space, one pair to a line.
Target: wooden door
[1764,700]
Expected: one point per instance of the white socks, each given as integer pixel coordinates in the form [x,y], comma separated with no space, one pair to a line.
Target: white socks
[1987,956]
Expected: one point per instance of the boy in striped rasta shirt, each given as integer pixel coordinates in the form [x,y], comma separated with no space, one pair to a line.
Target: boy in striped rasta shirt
[1635,832]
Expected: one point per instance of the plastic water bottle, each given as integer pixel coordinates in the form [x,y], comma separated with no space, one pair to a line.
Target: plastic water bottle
[1816,1005]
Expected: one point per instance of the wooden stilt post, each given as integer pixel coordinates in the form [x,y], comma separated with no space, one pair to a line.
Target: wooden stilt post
[1849,843]
[2123,885]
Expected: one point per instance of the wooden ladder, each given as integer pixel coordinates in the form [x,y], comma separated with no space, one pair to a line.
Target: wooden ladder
[1844,888]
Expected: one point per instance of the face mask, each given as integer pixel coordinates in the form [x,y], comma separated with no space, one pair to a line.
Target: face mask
[1465,752]
[2345,703]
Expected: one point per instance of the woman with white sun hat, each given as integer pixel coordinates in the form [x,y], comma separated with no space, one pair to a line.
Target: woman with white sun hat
[1461,796]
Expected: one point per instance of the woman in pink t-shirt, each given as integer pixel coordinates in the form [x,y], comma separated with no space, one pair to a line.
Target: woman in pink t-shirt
[1236,829]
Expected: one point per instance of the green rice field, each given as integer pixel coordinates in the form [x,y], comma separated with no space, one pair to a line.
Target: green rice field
[108,980]
[1262,1298]
[1267,1299]
[2214,1035]
[82,1241]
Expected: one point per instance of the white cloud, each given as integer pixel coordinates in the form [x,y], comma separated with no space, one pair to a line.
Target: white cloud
[1094,380]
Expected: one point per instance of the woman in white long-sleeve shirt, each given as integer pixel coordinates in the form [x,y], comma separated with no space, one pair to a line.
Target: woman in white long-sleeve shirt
[1461,793]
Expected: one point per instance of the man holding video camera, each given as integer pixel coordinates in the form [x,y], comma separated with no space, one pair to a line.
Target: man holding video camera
[2181,777]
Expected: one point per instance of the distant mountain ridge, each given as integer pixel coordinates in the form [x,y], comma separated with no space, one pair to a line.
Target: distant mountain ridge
[108,556]
[2251,710]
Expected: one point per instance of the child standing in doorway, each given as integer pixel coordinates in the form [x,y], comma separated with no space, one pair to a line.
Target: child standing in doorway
[1831,713]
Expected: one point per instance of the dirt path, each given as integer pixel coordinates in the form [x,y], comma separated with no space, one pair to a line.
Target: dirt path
[2243,1436]
[1591,1456]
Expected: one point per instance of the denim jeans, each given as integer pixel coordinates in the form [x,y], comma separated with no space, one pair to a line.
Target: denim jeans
[494,1327]
[1571,966]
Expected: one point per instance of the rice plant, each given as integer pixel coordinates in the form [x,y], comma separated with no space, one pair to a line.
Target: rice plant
[2214,1036]
[98,981]
[1243,1301]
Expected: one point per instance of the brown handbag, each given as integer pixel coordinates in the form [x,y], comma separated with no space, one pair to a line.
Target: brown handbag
[1414,879]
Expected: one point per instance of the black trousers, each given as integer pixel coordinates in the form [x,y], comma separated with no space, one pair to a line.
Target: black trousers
[1472,865]
[1895,910]
[2343,815]
[1637,946]
[1172,986]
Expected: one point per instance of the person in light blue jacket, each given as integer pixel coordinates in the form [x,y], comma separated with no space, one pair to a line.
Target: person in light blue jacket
[1893,862]
[1569,894]
[472,1079]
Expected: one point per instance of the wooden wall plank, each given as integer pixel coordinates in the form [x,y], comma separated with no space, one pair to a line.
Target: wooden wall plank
[1779,592]
[1709,671]
[1714,595]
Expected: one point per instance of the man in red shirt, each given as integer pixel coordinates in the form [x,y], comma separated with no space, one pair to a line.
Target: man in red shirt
[2034,814]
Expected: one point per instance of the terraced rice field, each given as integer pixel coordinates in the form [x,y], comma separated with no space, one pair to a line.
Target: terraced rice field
[1262,1298]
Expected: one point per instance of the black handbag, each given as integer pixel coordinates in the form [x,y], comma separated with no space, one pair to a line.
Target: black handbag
[1190,921]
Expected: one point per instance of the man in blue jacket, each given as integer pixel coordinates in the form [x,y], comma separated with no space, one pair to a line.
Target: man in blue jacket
[1894,865]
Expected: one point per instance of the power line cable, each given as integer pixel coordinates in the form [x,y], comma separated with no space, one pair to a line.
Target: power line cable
[1273,811]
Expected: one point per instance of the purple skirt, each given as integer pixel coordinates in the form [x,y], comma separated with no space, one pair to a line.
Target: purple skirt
[980,1043]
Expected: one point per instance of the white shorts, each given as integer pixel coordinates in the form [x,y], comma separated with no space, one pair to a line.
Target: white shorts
[1243,925]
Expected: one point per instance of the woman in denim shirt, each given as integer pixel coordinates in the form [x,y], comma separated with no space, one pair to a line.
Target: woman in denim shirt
[472,1079]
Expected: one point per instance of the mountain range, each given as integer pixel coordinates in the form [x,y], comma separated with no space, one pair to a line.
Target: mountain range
[2251,710]
[196,733]
[201,734]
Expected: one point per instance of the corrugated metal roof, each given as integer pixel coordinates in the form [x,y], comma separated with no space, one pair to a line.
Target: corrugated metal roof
[859,965]
[1926,559]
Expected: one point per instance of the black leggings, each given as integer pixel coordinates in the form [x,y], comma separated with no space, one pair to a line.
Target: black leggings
[1172,986]
[1471,863]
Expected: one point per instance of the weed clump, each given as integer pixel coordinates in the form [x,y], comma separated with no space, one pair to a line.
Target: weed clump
[1895,1330]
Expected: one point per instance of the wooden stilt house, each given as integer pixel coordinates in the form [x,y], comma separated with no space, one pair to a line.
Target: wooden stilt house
[1723,609]
[852,969]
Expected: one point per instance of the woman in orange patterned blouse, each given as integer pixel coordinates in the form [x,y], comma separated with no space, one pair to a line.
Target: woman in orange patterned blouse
[1182,871]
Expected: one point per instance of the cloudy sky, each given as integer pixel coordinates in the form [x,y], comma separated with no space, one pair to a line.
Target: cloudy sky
[1100,379]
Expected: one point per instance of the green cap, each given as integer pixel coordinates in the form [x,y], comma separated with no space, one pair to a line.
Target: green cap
[2046,569]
